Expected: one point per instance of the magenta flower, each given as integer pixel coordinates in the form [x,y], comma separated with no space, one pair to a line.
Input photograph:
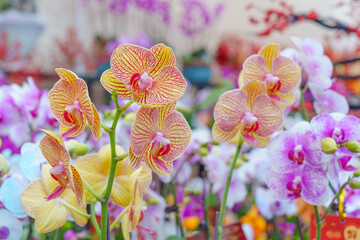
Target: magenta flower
[337,126]
[295,148]
[307,182]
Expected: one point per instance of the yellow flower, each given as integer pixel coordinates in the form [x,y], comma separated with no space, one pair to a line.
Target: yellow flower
[52,214]
[4,166]
[95,168]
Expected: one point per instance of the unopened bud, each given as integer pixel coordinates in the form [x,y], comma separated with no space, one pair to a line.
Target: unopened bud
[130,117]
[353,146]
[239,162]
[203,151]
[187,200]
[196,192]
[355,184]
[215,143]
[153,201]
[4,167]
[81,149]
[357,173]
[328,145]
[0,143]
[187,191]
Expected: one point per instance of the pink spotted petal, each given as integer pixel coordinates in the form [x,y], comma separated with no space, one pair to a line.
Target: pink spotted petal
[110,83]
[269,52]
[82,96]
[177,130]
[135,161]
[77,187]
[66,75]
[144,129]
[96,127]
[288,72]
[268,114]
[61,96]
[127,59]
[222,136]
[230,109]
[56,193]
[164,56]
[254,68]
[166,88]
[316,185]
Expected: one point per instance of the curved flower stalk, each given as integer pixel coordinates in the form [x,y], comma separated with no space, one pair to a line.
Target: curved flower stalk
[71,105]
[158,137]
[280,74]
[51,214]
[95,168]
[54,151]
[248,111]
[149,76]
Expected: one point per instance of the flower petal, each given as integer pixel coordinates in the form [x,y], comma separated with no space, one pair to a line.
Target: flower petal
[178,132]
[254,68]
[104,160]
[53,151]
[70,198]
[135,161]
[270,52]
[164,56]
[78,187]
[144,129]
[66,75]
[255,140]
[288,72]
[33,196]
[110,83]
[252,90]
[82,96]
[54,136]
[96,127]
[61,96]
[127,59]
[163,112]
[268,114]
[71,131]
[222,136]
[160,167]
[50,216]
[120,192]
[315,185]
[230,109]
[166,88]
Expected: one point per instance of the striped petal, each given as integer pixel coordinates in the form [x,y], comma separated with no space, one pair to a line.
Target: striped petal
[104,160]
[255,140]
[127,59]
[268,114]
[252,90]
[53,150]
[160,167]
[125,225]
[163,112]
[288,72]
[135,161]
[178,132]
[222,136]
[230,109]
[32,197]
[82,96]
[164,57]
[78,187]
[270,52]
[166,88]
[70,198]
[144,129]
[254,68]
[50,216]
[66,75]
[96,127]
[110,83]
[54,136]
[61,96]
[145,177]
[283,100]
[71,131]
[120,192]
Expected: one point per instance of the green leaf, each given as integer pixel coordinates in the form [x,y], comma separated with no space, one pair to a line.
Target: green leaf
[174,238]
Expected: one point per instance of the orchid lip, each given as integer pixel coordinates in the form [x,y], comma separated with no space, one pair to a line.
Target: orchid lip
[338,135]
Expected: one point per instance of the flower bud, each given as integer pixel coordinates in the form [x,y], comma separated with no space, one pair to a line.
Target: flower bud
[357,173]
[81,149]
[187,200]
[4,167]
[239,162]
[353,146]
[187,191]
[0,142]
[196,192]
[328,145]
[130,117]
[153,201]
[355,184]
[203,151]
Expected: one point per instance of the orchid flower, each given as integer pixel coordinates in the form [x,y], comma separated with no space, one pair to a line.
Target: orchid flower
[248,111]
[71,105]
[50,214]
[53,148]
[158,137]
[4,166]
[149,76]
[280,74]
[95,168]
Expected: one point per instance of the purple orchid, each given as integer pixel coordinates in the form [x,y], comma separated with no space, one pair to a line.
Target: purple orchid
[295,148]
[307,182]
[338,126]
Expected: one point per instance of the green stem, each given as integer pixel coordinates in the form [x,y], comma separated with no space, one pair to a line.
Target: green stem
[94,220]
[92,191]
[121,157]
[318,223]
[206,210]
[327,210]
[104,205]
[178,222]
[106,128]
[226,189]
[303,110]
[116,221]
[78,211]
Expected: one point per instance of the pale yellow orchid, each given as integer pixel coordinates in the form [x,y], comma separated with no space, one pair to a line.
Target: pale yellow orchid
[51,214]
